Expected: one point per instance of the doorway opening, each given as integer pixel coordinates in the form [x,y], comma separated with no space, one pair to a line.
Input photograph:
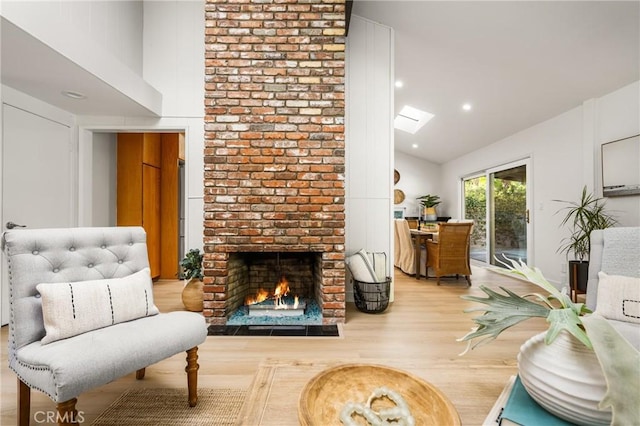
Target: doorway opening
[137,179]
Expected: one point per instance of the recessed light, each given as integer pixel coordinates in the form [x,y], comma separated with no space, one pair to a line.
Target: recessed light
[466,107]
[399,83]
[73,94]
[415,145]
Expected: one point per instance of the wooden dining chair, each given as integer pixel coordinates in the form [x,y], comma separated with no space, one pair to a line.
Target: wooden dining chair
[413,223]
[449,255]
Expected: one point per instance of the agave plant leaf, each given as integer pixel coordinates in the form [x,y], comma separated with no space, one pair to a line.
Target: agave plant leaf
[501,312]
[620,363]
[565,319]
[534,275]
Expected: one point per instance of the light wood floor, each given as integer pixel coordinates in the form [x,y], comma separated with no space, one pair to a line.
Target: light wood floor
[419,328]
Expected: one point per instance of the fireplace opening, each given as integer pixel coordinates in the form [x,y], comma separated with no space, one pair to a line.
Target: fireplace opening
[274,288]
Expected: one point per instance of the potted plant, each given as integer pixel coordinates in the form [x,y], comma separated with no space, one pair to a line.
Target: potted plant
[580,350]
[192,293]
[429,203]
[582,217]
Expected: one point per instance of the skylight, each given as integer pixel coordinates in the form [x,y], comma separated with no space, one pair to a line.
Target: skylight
[411,119]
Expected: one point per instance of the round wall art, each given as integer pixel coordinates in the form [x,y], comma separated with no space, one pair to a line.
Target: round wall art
[398,196]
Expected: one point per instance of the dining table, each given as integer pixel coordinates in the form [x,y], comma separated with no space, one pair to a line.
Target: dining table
[420,237]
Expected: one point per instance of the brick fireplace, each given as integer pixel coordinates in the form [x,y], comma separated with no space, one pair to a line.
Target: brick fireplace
[274,144]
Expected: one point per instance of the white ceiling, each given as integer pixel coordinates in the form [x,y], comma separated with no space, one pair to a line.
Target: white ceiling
[518,63]
[32,67]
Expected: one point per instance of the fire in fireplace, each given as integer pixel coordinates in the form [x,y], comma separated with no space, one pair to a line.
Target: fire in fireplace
[278,288]
[276,303]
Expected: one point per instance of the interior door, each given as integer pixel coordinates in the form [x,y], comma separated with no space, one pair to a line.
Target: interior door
[37,177]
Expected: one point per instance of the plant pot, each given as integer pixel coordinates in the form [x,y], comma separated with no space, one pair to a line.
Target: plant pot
[430,214]
[578,275]
[193,295]
[565,378]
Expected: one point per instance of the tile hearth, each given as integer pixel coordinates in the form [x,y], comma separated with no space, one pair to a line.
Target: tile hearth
[275,330]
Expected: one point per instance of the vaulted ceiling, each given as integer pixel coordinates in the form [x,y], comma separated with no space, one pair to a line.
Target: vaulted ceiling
[517,63]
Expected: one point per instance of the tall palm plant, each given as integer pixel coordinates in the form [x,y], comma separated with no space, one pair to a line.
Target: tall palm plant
[583,217]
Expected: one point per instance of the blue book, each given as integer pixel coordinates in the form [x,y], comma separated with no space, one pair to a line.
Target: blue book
[521,409]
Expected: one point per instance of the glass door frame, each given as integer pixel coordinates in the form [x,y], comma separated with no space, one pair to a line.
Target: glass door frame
[489,208]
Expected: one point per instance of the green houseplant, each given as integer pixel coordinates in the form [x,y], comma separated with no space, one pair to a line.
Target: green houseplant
[192,264]
[588,347]
[429,203]
[192,293]
[582,217]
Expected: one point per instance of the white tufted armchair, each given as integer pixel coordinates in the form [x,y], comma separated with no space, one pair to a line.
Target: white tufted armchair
[66,367]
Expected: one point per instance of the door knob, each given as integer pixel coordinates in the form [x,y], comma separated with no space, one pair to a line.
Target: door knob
[11,225]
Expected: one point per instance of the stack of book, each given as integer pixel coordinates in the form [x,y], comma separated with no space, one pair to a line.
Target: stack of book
[514,406]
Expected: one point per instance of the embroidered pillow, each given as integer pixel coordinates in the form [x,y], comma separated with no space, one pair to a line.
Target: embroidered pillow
[69,309]
[619,297]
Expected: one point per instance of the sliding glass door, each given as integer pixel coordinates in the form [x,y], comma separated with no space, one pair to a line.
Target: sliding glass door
[498,202]
[475,207]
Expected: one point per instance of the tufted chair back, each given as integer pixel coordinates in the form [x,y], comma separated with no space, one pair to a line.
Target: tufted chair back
[63,255]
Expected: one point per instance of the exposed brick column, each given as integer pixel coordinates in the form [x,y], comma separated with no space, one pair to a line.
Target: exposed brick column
[274,139]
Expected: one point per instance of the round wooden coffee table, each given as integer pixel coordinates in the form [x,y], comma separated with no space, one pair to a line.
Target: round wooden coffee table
[324,396]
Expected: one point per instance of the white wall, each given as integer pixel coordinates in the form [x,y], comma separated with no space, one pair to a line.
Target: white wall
[417,177]
[618,117]
[562,152]
[115,26]
[174,54]
[104,178]
[174,64]
[65,212]
[369,139]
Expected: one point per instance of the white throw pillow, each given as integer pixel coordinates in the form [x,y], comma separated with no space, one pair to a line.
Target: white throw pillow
[69,309]
[619,297]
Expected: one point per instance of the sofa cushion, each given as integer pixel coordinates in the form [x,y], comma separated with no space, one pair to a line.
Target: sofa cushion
[73,308]
[66,368]
[619,297]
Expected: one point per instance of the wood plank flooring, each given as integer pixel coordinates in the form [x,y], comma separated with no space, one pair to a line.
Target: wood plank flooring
[418,331]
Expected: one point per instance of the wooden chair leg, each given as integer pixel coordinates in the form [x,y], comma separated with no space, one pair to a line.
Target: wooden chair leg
[468,280]
[140,374]
[192,375]
[67,413]
[24,404]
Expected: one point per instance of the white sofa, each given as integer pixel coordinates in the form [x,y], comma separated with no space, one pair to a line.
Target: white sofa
[616,251]
[79,261]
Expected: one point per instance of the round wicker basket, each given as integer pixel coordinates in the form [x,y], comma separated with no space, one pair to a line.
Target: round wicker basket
[324,396]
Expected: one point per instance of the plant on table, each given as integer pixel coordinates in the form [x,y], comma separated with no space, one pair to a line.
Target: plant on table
[429,200]
[429,203]
[620,361]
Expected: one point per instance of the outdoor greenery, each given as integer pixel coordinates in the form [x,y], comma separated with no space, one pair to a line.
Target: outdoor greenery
[509,207]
